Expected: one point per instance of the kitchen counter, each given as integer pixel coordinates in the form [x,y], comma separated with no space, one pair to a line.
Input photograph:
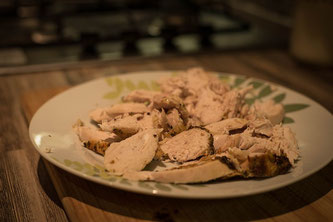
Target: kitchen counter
[29,192]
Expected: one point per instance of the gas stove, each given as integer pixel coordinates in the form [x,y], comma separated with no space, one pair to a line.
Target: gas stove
[48,31]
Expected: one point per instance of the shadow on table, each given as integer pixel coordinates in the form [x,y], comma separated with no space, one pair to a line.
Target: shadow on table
[147,207]
[46,183]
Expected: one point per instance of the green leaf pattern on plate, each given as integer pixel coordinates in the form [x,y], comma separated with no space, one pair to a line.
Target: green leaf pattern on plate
[267,90]
[256,84]
[288,108]
[125,182]
[238,81]
[180,187]
[225,79]
[145,185]
[120,85]
[164,187]
[279,98]
[89,169]
[101,172]
[287,120]
[130,85]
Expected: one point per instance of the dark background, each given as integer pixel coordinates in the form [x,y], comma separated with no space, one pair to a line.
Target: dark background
[62,31]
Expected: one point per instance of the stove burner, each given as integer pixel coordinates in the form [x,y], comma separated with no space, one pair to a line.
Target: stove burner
[103,29]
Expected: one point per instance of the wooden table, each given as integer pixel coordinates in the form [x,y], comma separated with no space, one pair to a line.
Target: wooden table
[34,190]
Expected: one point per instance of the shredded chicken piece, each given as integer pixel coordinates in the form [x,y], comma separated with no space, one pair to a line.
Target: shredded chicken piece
[108,113]
[133,153]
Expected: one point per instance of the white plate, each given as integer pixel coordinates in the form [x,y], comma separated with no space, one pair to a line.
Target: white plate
[51,133]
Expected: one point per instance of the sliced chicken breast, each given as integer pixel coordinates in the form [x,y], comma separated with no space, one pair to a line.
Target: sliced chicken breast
[270,110]
[133,153]
[200,171]
[140,96]
[261,127]
[108,113]
[175,122]
[188,145]
[209,107]
[226,126]
[95,139]
[88,133]
[128,125]
[168,102]
[233,102]
[287,142]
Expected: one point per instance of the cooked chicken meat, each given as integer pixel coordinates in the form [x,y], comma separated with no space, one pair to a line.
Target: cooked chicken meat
[260,149]
[233,102]
[99,146]
[268,109]
[192,82]
[205,97]
[133,153]
[95,139]
[197,122]
[286,140]
[140,96]
[127,125]
[108,113]
[168,102]
[175,122]
[208,169]
[188,145]
[93,134]
[208,108]
[227,126]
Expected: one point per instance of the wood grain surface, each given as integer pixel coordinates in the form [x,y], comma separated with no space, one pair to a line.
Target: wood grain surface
[34,190]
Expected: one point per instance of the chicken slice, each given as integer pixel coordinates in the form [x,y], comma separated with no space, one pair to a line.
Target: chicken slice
[188,145]
[267,164]
[287,142]
[262,157]
[223,142]
[281,143]
[261,127]
[95,139]
[268,109]
[108,113]
[186,83]
[227,126]
[133,153]
[208,169]
[168,102]
[233,102]
[218,87]
[98,147]
[86,133]
[191,82]
[128,125]
[175,122]
[212,107]
[173,85]
[140,96]
[208,109]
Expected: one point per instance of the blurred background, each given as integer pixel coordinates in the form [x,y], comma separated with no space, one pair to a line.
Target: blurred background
[66,31]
